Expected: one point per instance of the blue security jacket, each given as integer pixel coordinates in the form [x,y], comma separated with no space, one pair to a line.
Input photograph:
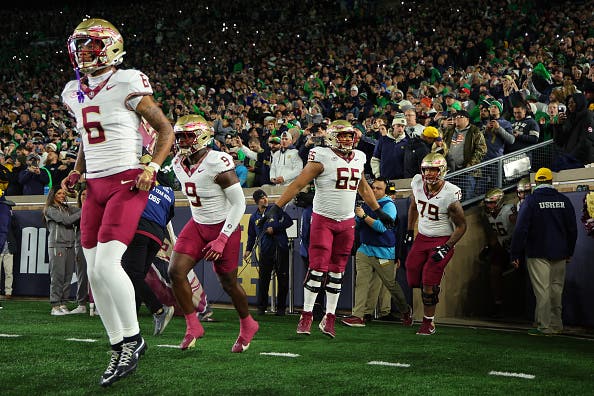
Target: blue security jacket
[268,243]
[546,226]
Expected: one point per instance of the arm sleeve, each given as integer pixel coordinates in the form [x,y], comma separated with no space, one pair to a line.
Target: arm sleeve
[507,137]
[234,194]
[390,210]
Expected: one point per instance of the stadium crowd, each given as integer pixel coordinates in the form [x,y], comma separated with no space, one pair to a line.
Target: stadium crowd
[520,72]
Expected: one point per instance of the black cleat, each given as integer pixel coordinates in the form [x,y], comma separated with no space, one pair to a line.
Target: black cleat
[131,353]
[110,375]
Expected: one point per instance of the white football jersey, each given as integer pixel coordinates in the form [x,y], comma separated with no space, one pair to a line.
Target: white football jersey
[502,224]
[208,202]
[107,123]
[336,187]
[434,220]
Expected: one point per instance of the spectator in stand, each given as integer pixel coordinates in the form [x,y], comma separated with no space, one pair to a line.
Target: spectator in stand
[388,158]
[412,129]
[417,148]
[497,130]
[57,168]
[285,163]
[240,169]
[33,178]
[258,162]
[574,134]
[525,129]
[466,147]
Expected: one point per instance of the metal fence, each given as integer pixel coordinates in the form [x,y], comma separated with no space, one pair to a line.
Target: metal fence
[501,172]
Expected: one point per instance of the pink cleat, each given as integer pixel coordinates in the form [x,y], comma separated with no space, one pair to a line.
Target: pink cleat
[190,339]
[245,337]
[427,327]
[327,325]
[304,325]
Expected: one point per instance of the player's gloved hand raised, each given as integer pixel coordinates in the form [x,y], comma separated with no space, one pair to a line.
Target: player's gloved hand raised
[70,181]
[440,252]
[384,218]
[409,238]
[146,179]
[214,249]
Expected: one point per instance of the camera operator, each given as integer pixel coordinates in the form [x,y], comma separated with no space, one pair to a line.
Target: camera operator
[33,178]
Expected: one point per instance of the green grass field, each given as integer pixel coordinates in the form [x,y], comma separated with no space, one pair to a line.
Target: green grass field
[453,361]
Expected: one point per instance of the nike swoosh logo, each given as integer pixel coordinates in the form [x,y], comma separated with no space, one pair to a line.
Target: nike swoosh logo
[200,170]
[108,87]
[126,181]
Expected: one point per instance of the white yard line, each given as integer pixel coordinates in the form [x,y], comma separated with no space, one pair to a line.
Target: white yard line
[516,375]
[380,363]
[81,339]
[168,346]
[10,335]
[283,354]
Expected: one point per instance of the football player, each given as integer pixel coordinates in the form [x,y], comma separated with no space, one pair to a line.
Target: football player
[436,204]
[337,171]
[108,104]
[209,181]
[502,220]
[523,190]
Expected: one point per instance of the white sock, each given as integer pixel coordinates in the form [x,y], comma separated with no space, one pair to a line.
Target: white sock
[332,298]
[114,292]
[309,297]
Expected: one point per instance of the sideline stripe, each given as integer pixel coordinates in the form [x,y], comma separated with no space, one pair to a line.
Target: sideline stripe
[517,375]
[168,346]
[380,363]
[81,339]
[283,354]
[10,335]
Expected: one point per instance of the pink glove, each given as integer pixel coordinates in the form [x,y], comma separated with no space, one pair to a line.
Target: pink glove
[214,249]
[70,181]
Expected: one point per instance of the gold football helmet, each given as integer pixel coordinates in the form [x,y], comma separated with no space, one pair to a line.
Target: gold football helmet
[94,45]
[336,136]
[192,133]
[524,185]
[434,161]
[494,195]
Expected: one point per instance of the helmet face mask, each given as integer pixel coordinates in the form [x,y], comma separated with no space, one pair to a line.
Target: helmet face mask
[433,168]
[524,188]
[192,133]
[493,196]
[95,45]
[337,136]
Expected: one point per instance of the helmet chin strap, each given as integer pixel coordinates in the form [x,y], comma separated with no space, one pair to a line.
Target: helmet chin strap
[80,94]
